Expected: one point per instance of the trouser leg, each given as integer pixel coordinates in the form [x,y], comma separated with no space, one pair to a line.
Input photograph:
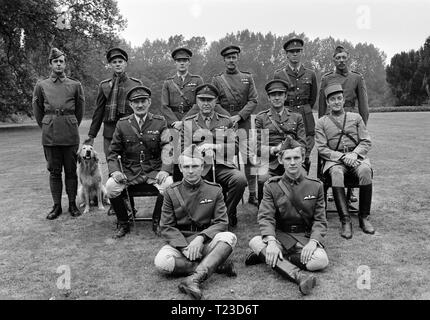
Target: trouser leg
[71,178]
[54,161]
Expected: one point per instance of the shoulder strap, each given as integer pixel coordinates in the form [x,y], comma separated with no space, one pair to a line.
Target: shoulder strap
[285,133]
[181,201]
[293,202]
[228,90]
[286,75]
[342,128]
[179,90]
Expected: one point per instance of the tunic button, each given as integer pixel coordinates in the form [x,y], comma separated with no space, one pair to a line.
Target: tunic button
[298,107]
[140,142]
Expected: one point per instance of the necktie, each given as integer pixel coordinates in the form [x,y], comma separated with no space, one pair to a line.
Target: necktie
[208,122]
[140,123]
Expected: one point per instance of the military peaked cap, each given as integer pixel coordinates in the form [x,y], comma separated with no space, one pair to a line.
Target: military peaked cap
[54,54]
[229,50]
[339,49]
[332,88]
[294,44]
[116,53]
[138,92]
[289,143]
[207,90]
[182,53]
[276,85]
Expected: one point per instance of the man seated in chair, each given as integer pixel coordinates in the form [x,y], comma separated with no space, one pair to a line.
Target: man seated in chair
[280,123]
[139,140]
[215,136]
[194,223]
[292,222]
[343,142]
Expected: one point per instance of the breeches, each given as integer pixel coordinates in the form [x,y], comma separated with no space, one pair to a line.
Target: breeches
[58,157]
[114,189]
[362,171]
[165,259]
[318,261]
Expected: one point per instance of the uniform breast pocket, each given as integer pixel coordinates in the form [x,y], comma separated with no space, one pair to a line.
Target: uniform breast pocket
[129,140]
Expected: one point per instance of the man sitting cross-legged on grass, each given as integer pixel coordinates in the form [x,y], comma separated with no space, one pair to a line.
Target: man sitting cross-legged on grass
[194,223]
[292,222]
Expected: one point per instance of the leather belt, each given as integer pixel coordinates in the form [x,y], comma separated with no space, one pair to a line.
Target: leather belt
[294,228]
[347,149]
[192,227]
[60,112]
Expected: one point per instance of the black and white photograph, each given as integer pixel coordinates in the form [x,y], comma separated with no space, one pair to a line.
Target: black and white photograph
[214,155]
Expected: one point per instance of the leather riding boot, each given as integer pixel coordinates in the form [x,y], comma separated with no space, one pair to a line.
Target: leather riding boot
[227,268]
[232,218]
[156,215]
[260,192]
[288,270]
[364,207]
[252,259]
[191,284]
[120,208]
[73,210]
[294,258]
[252,199]
[350,195]
[55,212]
[123,229]
[342,210]
[184,267]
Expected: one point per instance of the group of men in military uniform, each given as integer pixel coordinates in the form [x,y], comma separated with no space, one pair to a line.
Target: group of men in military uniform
[193,214]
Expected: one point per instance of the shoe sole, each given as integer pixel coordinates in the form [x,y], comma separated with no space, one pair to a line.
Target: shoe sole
[307,286]
[186,290]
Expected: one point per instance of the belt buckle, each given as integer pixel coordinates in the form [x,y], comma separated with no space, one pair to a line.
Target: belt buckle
[293,228]
[231,108]
[181,108]
[57,112]
[142,156]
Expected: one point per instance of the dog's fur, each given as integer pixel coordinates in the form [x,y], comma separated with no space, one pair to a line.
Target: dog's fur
[91,190]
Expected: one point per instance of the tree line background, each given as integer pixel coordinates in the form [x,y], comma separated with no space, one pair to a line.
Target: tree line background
[86,29]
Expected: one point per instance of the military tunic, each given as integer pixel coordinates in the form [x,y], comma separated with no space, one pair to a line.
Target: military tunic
[354,89]
[101,113]
[301,94]
[328,134]
[220,131]
[205,212]
[173,104]
[239,96]
[301,209]
[140,149]
[290,124]
[58,106]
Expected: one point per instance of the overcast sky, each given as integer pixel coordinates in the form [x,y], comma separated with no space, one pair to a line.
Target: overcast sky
[391,25]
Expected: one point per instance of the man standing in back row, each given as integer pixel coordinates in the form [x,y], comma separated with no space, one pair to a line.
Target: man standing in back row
[238,95]
[302,91]
[58,106]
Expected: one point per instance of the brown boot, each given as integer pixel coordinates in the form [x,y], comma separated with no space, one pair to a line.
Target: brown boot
[342,210]
[191,285]
[364,208]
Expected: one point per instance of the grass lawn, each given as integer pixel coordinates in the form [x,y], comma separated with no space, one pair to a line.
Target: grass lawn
[33,248]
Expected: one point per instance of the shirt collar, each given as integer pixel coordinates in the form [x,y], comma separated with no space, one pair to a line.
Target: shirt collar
[235,71]
[55,77]
[190,185]
[138,118]
[298,66]
[290,180]
[344,73]
[182,76]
